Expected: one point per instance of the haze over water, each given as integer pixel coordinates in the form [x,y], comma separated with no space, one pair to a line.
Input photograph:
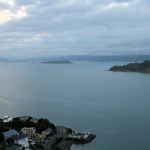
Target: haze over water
[83,96]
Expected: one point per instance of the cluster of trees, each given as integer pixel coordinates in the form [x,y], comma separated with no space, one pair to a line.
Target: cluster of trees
[134,67]
[69,130]
[18,124]
[2,139]
[44,124]
[3,142]
[2,147]
[57,141]
[3,127]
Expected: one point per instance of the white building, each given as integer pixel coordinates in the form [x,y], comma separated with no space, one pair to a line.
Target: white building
[7,119]
[21,139]
[24,118]
[31,131]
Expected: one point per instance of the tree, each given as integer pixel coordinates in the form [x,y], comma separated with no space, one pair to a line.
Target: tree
[2,147]
[17,124]
[57,148]
[69,130]
[43,124]
[2,138]
[10,141]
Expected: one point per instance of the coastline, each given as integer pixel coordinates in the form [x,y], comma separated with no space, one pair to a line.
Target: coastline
[143,67]
[40,133]
[66,145]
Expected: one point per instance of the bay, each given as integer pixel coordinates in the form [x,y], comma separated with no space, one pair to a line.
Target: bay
[83,96]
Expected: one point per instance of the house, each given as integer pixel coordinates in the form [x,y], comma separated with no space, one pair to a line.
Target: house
[7,119]
[29,131]
[86,136]
[41,136]
[21,139]
[34,120]
[32,134]
[24,118]
[10,133]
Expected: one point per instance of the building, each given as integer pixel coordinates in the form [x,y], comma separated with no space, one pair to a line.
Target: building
[24,118]
[41,136]
[21,139]
[31,132]
[7,119]
[34,120]
[10,133]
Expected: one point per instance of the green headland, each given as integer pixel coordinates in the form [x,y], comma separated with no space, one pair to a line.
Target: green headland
[133,67]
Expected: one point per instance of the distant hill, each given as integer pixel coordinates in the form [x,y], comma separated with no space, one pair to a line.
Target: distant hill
[92,58]
[133,67]
[111,58]
[98,58]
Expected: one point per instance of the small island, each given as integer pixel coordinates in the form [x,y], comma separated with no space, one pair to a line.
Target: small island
[57,62]
[143,67]
[28,133]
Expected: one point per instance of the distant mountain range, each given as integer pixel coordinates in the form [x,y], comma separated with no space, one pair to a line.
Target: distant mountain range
[113,58]
[121,58]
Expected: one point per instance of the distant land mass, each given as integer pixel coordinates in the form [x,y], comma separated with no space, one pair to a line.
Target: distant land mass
[133,67]
[91,58]
[57,62]
[107,58]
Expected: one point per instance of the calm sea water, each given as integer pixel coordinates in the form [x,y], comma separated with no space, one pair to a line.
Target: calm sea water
[84,96]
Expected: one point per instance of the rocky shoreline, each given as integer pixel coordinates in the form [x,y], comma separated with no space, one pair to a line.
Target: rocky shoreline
[66,145]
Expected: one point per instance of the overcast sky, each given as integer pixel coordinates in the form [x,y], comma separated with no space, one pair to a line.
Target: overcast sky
[72,27]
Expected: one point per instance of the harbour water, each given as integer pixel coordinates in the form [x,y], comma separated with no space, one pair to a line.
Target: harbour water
[83,96]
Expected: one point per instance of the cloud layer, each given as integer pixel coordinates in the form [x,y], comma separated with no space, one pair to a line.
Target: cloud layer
[66,27]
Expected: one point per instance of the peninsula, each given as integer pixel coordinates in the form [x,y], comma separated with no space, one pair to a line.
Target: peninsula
[57,62]
[28,133]
[133,67]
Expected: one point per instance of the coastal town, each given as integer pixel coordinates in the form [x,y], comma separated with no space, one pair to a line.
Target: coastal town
[28,133]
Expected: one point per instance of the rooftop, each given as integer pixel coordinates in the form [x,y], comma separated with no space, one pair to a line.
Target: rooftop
[10,133]
[19,137]
[35,120]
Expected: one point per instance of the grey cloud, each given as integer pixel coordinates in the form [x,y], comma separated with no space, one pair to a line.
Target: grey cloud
[3,6]
[72,27]
[25,2]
